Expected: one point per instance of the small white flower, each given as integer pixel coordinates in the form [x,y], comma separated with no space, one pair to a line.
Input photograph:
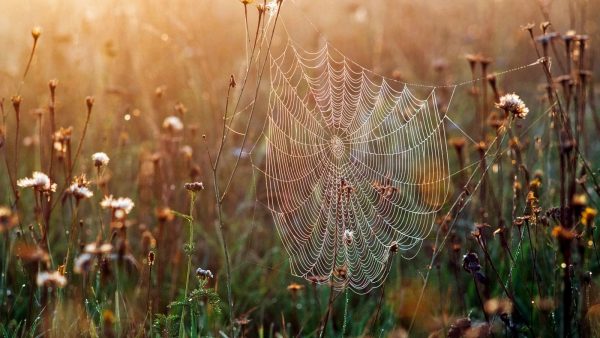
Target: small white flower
[53,278]
[122,204]
[100,159]
[173,123]
[80,192]
[38,181]
[82,263]
[187,151]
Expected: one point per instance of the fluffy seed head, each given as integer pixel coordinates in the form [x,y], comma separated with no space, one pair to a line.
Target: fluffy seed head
[100,159]
[512,103]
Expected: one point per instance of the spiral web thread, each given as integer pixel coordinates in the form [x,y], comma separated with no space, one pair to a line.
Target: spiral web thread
[356,167]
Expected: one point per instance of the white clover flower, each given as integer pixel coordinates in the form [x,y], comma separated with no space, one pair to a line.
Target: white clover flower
[100,159]
[53,278]
[173,123]
[512,103]
[121,204]
[38,181]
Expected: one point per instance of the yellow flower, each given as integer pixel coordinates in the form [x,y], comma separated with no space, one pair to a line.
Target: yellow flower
[587,216]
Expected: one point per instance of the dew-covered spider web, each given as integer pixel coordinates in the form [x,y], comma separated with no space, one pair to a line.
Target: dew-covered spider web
[355,165]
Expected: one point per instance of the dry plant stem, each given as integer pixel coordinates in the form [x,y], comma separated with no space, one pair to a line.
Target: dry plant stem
[6,162]
[487,319]
[262,70]
[81,139]
[72,237]
[16,149]
[189,252]
[220,196]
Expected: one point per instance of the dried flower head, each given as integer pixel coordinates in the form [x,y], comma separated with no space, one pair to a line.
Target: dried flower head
[38,181]
[172,123]
[54,278]
[79,188]
[36,32]
[194,186]
[512,103]
[100,159]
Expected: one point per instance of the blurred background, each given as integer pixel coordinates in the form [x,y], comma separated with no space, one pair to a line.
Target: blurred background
[144,60]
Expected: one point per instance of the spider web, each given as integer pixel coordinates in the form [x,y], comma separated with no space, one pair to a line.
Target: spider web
[356,167]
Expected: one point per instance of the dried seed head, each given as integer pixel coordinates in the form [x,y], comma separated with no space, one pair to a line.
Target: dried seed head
[194,186]
[204,274]
[89,101]
[512,103]
[36,32]
[528,27]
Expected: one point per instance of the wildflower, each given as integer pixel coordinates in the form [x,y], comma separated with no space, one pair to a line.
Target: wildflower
[186,151]
[61,140]
[512,103]
[562,233]
[295,287]
[579,201]
[173,123]
[38,181]
[204,274]
[498,306]
[100,159]
[120,206]
[53,278]
[97,249]
[83,263]
[164,215]
[79,188]
[587,216]
[194,186]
